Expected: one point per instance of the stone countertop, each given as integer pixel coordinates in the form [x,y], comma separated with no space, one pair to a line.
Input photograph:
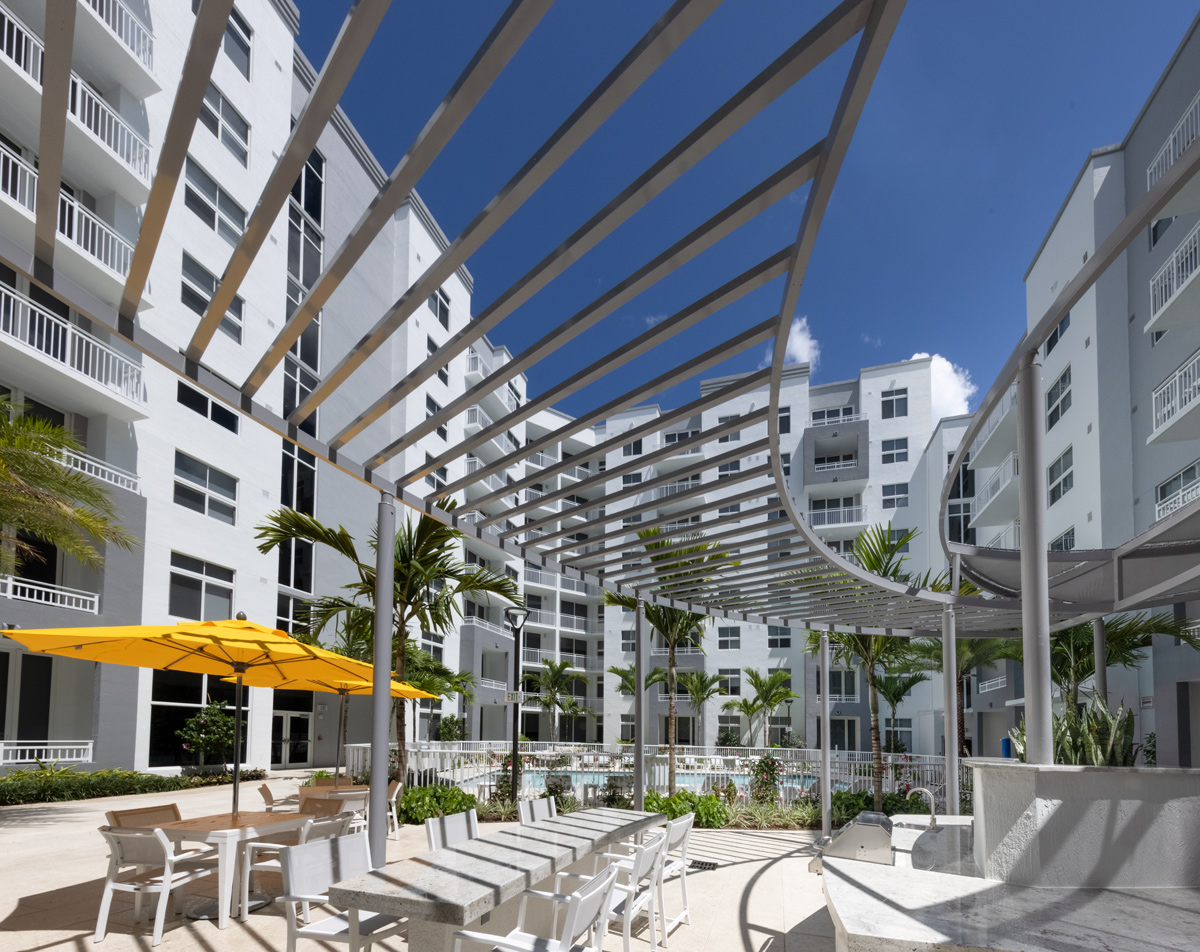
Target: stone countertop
[459,884]
[881,907]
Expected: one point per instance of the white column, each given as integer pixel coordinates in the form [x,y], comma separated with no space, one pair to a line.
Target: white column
[950,699]
[826,788]
[639,710]
[381,696]
[1100,647]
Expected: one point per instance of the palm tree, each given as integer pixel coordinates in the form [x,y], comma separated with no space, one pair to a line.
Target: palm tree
[701,688]
[571,707]
[748,708]
[626,677]
[42,501]
[676,626]
[424,671]
[429,577]
[554,685]
[893,687]
[770,690]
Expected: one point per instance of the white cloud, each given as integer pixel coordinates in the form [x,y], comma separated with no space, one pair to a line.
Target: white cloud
[652,319]
[802,347]
[868,339]
[951,385]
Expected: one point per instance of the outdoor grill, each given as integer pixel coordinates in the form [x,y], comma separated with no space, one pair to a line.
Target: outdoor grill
[868,837]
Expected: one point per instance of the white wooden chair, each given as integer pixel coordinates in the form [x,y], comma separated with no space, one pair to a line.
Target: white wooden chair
[585,914]
[157,870]
[674,863]
[642,867]
[308,872]
[530,811]
[355,803]
[443,831]
[274,803]
[263,857]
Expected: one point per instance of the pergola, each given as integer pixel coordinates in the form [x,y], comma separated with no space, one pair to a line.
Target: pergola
[808,587]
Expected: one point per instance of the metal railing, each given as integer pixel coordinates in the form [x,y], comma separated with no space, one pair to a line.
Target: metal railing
[1009,538]
[16,752]
[98,469]
[995,418]
[572,623]
[852,418]
[840,464]
[85,230]
[492,684]
[1180,138]
[476,364]
[1177,501]
[42,593]
[680,651]
[542,459]
[1176,273]
[63,342]
[841,698]
[510,400]
[129,29]
[1176,392]
[541,616]
[578,472]
[538,577]
[18,180]
[98,117]
[675,489]
[582,661]
[476,416]
[537,655]
[582,588]
[992,684]
[472,517]
[21,45]
[836,517]
[1007,471]
[486,624]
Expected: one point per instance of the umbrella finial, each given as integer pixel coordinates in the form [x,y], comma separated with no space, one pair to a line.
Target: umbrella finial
[241,616]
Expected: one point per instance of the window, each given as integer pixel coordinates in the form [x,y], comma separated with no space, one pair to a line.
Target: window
[628,640]
[728,469]
[733,507]
[843,684]
[632,449]
[309,190]
[237,42]
[1065,542]
[437,478]
[831,415]
[733,437]
[205,490]
[194,400]
[199,590]
[432,409]
[627,727]
[834,459]
[958,523]
[298,383]
[631,479]
[1057,333]
[631,520]
[681,436]
[786,460]
[211,205]
[1180,485]
[1156,337]
[895,403]
[290,613]
[896,534]
[1060,476]
[778,637]
[197,289]
[1058,399]
[432,348]
[731,681]
[1158,229]
[729,639]
[439,303]
[895,451]
[306,246]
[898,733]
[785,420]
[298,485]
[226,123]
[963,486]
[895,495]
[308,346]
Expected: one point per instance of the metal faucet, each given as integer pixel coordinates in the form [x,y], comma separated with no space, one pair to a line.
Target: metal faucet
[932,806]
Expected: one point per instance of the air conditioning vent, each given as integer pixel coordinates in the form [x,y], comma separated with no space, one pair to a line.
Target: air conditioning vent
[1148,701]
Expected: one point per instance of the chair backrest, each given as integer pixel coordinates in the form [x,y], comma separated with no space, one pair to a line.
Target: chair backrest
[443,831]
[533,810]
[324,828]
[356,801]
[393,789]
[144,817]
[646,857]
[324,781]
[309,869]
[679,832]
[585,907]
[320,806]
[137,849]
[268,797]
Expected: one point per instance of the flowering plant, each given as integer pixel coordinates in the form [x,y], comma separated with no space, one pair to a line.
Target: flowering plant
[764,779]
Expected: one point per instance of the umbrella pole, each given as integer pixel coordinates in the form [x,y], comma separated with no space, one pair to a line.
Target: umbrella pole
[237,739]
[337,762]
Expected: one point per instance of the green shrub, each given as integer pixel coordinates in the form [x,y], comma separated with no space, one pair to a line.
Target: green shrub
[498,810]
[710,812]
[418,804]
[764,779]
[452,727]
[806,815]
[566,805]
[55,784]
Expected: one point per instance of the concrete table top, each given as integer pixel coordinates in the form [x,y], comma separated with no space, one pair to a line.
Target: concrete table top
[459,884]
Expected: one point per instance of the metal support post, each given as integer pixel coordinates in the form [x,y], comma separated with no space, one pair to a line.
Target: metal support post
[639,711]
[1035,589]
[950,699]
[514,772]
[826,784]
[1100,647]
[381,695]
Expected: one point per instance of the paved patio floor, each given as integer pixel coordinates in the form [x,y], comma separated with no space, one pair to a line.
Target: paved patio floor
[52,866]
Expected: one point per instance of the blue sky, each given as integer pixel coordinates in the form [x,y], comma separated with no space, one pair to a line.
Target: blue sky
[976,127]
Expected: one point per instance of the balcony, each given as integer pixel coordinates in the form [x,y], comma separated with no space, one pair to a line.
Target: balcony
[852,418]
[835,467]
[998,435]
[492,684]
[55,596]
[102,152]
[996,500]
[542,459]
[476,418]
[578,472]
[538,577]
[537,655]
[478,366]
[97,378]
[1175,403]
[683,651]
[583,662]
[840,698]
[1185,131]
[995,684]
[1174,295]
[541,616]
[104,472]
[574,623]
[1177,501]
[850,515]
[486,625]
[474,517]
[1008,538]
[581,588]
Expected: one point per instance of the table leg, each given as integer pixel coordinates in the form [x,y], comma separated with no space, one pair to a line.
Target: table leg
[226,867]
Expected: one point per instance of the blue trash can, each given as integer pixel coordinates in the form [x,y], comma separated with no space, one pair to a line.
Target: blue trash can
[1006,747]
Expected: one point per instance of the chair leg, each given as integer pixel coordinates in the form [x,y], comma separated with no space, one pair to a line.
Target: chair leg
[628,924]
[650,913]
[662,915]
[687,908]
[160,916]
[244,910]
[102,918]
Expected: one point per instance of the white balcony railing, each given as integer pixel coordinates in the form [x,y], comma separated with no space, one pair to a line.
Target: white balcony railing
[681,651]
[675,489]
[474,517]
[1176,273]
[994,684]
[486,624]
[1009,538]
[476,364]
[532,535]
[21,45]
[62,341]
[578,472]
[852,418]
[541,616]
[42,593]
[99,118]
[538,577]
[1007,471]
[1177,392]
[16,752]
[129,29]
[83,229]
[18,180]
[98,469]
[542,459]
[1177,501]
[1180,138]
[840,464]
[509,399]
[841,698]
[493,684]
[582,588]
[476,416]
[582,662]
[850,515]
[573,623]
[537,655]
[995,418]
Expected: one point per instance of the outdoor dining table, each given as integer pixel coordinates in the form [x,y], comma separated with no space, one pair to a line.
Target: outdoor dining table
[228,835]
[456,887]
[325,793]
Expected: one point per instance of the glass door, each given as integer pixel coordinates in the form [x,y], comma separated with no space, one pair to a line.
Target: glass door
[291,740]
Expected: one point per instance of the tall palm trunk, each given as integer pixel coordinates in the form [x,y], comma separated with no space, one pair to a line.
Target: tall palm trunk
[876,747]
[671,718]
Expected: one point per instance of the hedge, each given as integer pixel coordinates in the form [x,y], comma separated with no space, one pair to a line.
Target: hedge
[56,785]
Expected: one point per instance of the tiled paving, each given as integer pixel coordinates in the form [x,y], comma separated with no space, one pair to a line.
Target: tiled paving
[52,863]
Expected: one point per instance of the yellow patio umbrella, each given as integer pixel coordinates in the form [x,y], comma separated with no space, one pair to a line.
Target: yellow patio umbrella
[401,689]
[235,647]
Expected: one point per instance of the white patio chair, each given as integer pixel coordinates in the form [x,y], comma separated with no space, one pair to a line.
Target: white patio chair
[395,788]
[263,857]
[274,803]
[308,872]
[147,818]
[642,868]
[355,803]
[530,811]
[443,831]
[679,834]
[320,806]
[585,914]
[156,870]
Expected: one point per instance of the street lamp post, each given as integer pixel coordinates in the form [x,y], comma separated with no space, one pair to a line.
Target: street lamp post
[516,619]
[791,729]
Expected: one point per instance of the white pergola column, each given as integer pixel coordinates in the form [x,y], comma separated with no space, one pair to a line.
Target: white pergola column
[381,696]
[826,788]
[639,710]
[950,699]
